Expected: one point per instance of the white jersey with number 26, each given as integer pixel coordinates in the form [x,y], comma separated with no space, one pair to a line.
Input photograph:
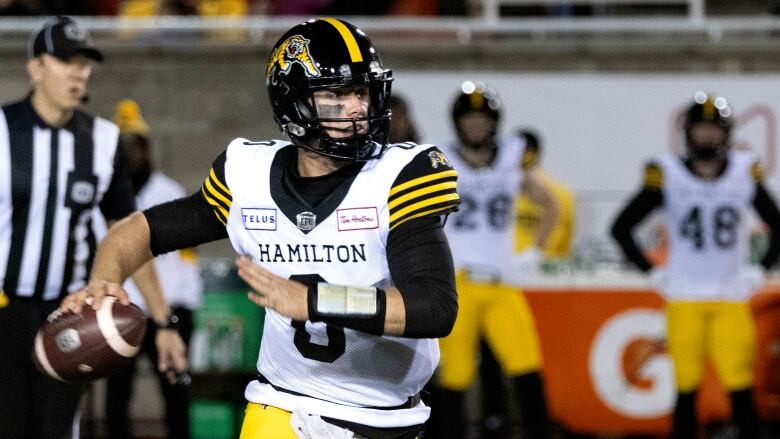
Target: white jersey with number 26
[481,233]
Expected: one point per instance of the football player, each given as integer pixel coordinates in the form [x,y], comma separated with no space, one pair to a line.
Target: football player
[482,238]
[559,244]
[706,196]
[340,236]
[557,250]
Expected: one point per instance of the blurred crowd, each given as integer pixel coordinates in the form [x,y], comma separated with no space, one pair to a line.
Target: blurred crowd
[211,8]
[141,8]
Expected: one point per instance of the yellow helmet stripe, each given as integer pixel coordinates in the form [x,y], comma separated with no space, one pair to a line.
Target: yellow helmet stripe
[349,39]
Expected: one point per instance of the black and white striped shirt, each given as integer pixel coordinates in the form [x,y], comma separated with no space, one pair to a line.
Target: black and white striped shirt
[52,182]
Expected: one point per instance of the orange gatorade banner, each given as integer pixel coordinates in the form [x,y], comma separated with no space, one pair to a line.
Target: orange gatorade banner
[605,363]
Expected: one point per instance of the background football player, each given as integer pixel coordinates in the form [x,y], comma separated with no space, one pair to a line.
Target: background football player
[482,239]
[528,218]
[341,239]
[706,196]
[528,213]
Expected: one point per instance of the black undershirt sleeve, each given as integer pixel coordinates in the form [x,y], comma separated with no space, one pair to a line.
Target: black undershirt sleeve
[119,199]
[183,223]
[622,229]
[767,210]
[421,266]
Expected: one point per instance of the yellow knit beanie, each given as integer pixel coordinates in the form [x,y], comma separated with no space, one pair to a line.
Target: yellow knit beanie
[128,117]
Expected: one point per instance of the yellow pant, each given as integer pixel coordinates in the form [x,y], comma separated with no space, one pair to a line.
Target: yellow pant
[266,422]
[723,330]
[501,315]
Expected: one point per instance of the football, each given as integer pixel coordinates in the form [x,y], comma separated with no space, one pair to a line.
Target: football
[94,344]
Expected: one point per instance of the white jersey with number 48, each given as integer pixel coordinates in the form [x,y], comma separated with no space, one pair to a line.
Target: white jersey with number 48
[707,222]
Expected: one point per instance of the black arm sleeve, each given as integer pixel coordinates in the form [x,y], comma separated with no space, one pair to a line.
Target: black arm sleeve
[637,209]
[186,222]
[119,199]
[420,262]
[767,209]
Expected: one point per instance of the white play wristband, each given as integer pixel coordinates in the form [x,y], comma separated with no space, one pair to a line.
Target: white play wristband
[340,300]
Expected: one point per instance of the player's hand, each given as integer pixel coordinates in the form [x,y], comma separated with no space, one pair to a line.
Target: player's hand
[96,290]
[172,353]
[287,297]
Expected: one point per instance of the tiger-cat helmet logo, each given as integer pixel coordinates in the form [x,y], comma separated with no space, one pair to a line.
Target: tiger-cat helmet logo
[293,50]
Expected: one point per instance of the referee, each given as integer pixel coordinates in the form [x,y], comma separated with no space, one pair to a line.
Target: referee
[58,166]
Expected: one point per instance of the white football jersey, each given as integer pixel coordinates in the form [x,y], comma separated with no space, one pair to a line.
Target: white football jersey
[707,222]
[481,233]
[177,271]
[344,373]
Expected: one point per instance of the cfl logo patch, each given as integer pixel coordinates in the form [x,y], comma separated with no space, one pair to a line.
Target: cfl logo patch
[306,221]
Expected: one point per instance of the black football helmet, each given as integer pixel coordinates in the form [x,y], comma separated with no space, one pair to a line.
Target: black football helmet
[320,54]
[476,97]
[713,109]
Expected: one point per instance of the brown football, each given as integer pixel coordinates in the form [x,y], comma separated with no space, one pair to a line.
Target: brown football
[90,345]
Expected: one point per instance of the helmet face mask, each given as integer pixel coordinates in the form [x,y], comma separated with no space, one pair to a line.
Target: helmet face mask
[476,129]
[330,55]
[707,141]
[708,123]
[475,114]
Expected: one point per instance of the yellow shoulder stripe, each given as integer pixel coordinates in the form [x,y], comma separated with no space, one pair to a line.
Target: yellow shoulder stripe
[423,179]
[211,192]
[224,188]
[223,221]
[423,204]
[349,39]
[419,214]
[214,203]
[654,177]
[757,172]
[422,191]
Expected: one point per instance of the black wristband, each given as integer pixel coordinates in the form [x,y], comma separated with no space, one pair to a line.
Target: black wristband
[370,324]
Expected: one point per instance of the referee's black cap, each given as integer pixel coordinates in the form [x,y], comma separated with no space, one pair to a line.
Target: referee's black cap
[64,38]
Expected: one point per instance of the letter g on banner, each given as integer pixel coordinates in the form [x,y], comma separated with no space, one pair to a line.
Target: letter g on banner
[630,371]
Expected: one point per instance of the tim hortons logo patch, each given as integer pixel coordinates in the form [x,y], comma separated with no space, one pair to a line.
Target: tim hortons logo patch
[357,218]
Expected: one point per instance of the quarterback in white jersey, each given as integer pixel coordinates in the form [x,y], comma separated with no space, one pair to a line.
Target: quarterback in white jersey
[706,197]
[490,178]
[341,239]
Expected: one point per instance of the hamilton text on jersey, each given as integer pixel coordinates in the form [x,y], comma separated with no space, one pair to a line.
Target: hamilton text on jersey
[312,253]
